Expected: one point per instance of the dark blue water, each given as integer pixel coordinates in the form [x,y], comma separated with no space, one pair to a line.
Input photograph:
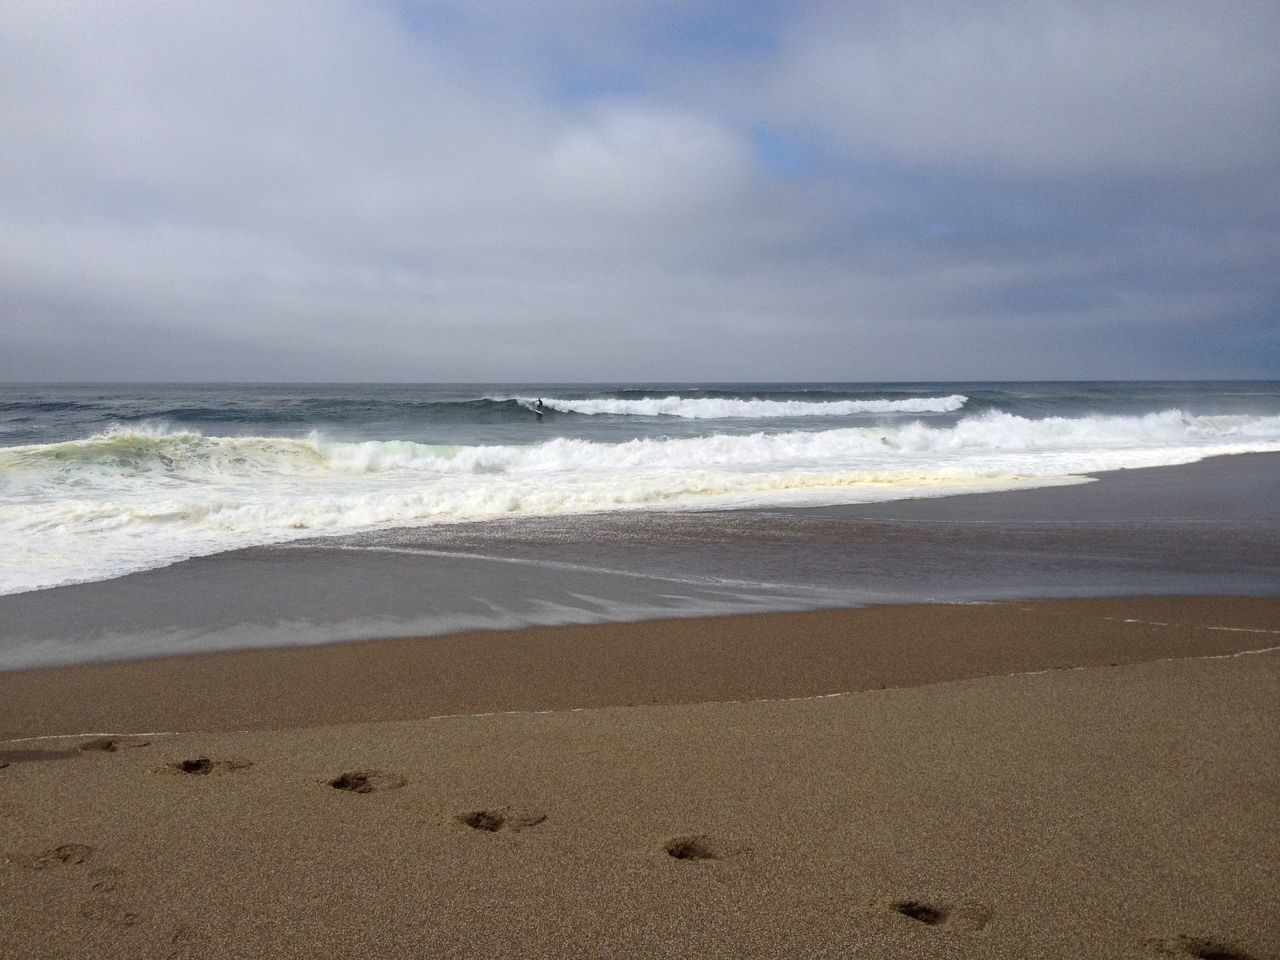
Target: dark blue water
[502,414]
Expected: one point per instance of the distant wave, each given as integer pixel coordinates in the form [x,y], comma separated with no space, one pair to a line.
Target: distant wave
[42,406]
[132,499]
[718,408]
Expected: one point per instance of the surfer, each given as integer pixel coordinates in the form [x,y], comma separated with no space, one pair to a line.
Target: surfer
[537,407]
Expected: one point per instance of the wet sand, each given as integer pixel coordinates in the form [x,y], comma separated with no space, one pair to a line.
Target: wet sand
[672,661]
[1091,778]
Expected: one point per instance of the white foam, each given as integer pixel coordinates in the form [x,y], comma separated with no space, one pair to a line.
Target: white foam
[134,499]
[712,408]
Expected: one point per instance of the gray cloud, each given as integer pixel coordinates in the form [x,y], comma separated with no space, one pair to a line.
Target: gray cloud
[404,191]
[1051,87]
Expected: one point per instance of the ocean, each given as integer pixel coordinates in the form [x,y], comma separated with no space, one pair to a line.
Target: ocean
[102,480]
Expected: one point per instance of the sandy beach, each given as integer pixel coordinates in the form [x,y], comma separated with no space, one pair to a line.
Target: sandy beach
[639,481]
[1093,778]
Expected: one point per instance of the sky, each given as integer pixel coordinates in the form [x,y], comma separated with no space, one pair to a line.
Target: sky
[639,190]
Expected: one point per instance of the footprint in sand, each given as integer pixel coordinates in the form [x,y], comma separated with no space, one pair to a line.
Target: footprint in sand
[501,818]
[1201,948]
[204,766]
[112,744]
[68,854]
[937,913]
[366,781]
[109,912]
[929,914]
[106,879]
[693,847]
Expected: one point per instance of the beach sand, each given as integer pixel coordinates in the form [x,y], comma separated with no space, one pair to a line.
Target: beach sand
[1091,778]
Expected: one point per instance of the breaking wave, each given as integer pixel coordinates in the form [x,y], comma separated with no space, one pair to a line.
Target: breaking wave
[720,408]
[132,499]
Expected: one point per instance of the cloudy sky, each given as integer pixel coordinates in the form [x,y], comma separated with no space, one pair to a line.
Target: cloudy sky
[638,190]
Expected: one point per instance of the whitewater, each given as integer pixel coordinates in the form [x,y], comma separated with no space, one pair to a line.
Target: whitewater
[717,408]
[143,491]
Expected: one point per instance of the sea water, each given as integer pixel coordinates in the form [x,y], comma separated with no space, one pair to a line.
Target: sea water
[97,481]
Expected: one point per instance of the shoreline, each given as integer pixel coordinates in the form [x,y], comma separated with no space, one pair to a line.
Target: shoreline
[740,657]
[1211,528]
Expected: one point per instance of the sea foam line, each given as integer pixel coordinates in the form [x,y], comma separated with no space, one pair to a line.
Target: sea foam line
[574,567]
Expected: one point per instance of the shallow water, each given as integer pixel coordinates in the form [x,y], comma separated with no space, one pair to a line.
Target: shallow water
[1207,528]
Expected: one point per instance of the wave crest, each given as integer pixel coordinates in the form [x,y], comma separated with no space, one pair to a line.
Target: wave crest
[718,408]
